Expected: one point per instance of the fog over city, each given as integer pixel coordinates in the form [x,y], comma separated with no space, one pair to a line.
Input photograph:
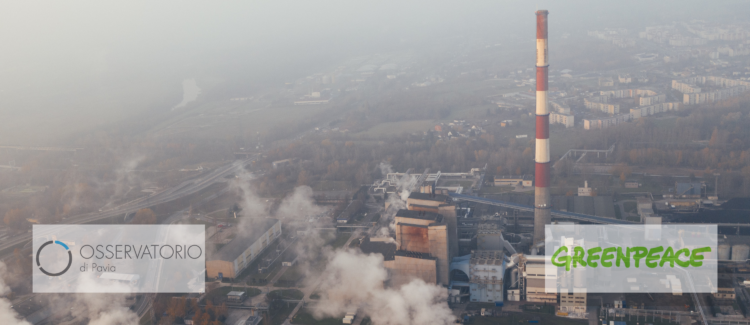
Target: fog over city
[377,162]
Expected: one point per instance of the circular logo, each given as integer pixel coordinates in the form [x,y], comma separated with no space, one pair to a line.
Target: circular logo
[70,258]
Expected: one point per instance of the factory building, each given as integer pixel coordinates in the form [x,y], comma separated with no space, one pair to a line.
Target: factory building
[420,249]
[688,190]
[585,190]
[442,205]
[422,239]
[487,272]
[513,180]
[533,276]
[238,254]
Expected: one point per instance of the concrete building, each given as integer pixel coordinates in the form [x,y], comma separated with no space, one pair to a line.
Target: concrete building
[564,119]
[234,257]
[643,111]
[645,208]
[693,95]
[513,180]
[486,279]
[422,240]
[606,82]
[725,290]
[688,190]
[600,123]
[585,190]
[601,103]
[490,238]
[440,204]
[534,275]
[632,184]
[651,100]
[573,301]
[281,163]
[560,108]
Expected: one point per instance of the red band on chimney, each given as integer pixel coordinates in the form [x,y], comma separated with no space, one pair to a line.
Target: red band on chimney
[541,78]
[541,24]
[542,126]
[542,174]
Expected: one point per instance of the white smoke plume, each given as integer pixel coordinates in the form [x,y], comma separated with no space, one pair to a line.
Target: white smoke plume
[125,178]
[251,204]
[8,316]
[404,187]
[385,168]
[299,204]
[353,280]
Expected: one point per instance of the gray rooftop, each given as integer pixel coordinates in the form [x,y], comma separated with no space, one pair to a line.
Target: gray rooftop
[422,215]
[244,240]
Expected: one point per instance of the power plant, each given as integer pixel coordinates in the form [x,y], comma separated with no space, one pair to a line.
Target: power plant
[542,202]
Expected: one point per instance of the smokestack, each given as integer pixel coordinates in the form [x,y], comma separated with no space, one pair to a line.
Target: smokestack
[542,202]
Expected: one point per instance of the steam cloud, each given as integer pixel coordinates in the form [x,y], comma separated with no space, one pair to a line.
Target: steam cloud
[353,280]
[8,316]
[404,186]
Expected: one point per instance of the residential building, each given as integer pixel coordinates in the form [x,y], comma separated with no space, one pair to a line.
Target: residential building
[564,119]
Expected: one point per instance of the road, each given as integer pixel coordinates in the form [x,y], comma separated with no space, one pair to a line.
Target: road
[184,189]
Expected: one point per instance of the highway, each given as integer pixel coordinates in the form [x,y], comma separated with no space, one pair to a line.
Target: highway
[555,213]
[183,189]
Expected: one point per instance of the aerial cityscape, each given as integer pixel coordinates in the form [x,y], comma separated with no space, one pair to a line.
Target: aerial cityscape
[492,162]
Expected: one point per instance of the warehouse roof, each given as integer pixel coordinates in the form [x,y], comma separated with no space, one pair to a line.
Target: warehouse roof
[244,240]
[428,196]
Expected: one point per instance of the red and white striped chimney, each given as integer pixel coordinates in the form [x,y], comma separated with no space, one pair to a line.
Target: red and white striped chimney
[542,202]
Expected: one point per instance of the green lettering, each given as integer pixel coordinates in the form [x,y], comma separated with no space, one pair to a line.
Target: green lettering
[695,258]
[640,252]
[680,262]
[668,257]
[607,255]
[563,260]
[625,258]
[578,254]
[593,256]
[653,256]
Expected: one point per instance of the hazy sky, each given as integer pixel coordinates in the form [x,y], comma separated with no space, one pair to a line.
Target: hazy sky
[99,61]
